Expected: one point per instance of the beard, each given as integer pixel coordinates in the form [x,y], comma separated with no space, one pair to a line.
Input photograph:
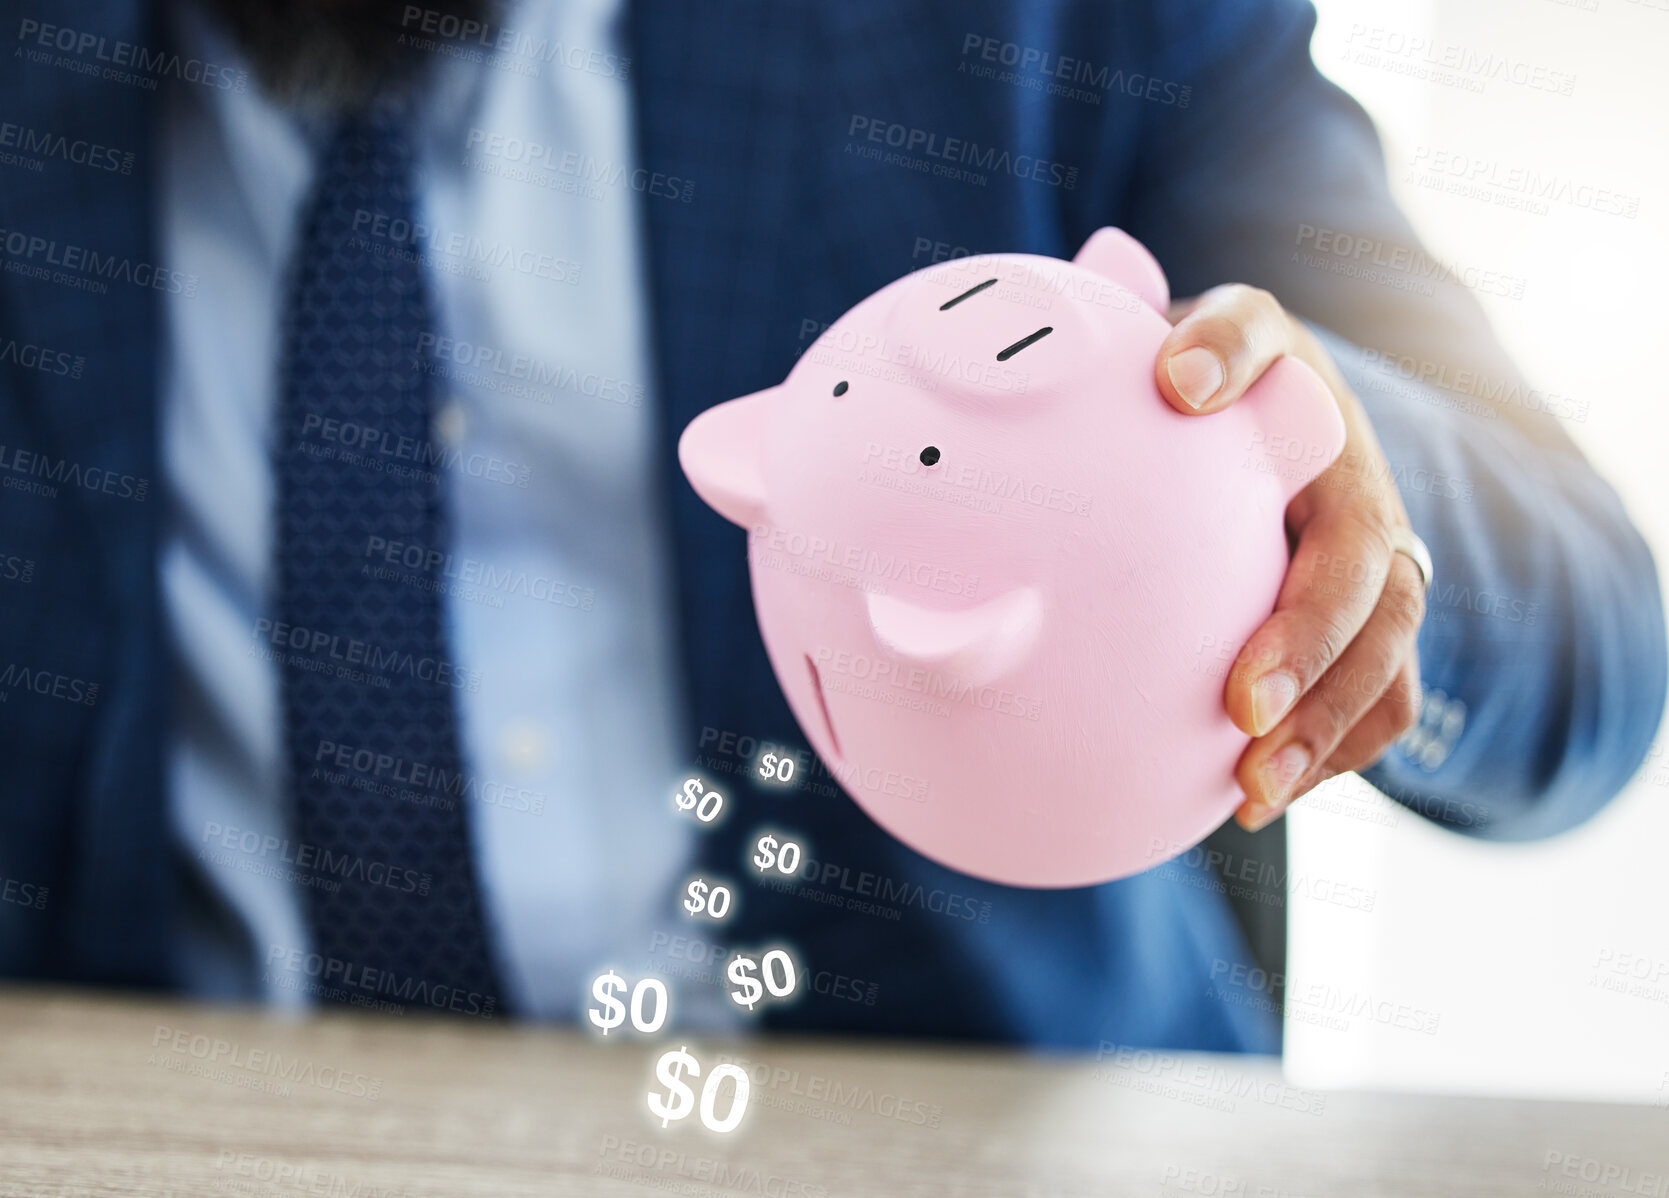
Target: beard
[331,56]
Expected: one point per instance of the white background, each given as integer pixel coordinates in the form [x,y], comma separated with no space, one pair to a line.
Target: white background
[1502,944]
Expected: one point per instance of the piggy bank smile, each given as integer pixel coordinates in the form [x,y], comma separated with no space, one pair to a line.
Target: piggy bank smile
[988,556]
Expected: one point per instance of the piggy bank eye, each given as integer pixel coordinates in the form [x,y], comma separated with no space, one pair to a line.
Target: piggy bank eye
[951,303]
[930,455]
[840,387]
[1021,344]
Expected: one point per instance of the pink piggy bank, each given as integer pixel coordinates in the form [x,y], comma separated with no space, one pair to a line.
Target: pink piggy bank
[1000,580]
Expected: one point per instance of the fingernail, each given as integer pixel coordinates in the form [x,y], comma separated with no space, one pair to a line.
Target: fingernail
[1197,375]
[1272,696]
[1280,774]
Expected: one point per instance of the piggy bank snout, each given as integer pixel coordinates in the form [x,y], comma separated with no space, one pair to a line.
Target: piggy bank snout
[1298,431]
[722,454]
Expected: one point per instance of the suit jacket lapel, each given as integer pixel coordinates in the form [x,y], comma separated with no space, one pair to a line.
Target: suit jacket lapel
[80,278]
[718,96]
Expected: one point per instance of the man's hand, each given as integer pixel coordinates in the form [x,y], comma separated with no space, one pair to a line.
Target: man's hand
[1332,677]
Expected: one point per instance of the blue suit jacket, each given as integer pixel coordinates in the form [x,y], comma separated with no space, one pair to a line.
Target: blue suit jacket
[756,101]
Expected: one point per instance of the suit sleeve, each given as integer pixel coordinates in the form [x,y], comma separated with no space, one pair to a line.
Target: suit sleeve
[1543,649]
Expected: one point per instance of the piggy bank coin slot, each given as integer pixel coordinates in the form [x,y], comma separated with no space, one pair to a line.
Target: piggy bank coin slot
[1021,344]
[951,303]
[823,704]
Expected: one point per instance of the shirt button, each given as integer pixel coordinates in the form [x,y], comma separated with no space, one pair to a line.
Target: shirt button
[451,424]
[524,745]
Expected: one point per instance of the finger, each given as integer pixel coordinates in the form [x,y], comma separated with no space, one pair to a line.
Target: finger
[1332,586]
[1276,768]
[1221,347]
[1181,307]
[1395,713]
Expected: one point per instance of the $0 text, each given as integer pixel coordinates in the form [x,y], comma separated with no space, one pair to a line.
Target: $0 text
[777,970]
[716,904]
[679,1100]
[706,803]
[786,859]
[607,989]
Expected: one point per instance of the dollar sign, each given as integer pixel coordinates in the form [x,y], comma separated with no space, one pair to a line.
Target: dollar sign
[691,795]
[767,855]
[680,1099]
[767,765]
[741,972]
[613,1013]
[697,890]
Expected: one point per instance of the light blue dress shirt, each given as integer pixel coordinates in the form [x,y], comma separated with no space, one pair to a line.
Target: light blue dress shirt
[557,588]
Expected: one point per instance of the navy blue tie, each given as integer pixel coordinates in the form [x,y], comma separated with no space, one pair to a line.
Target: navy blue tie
[371,744]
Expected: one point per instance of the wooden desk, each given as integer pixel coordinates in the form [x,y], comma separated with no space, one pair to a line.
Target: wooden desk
[107,1095]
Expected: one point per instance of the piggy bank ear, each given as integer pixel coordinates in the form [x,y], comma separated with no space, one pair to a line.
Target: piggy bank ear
[1298,430]
[978,644]
[1114,254]
[722,455]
